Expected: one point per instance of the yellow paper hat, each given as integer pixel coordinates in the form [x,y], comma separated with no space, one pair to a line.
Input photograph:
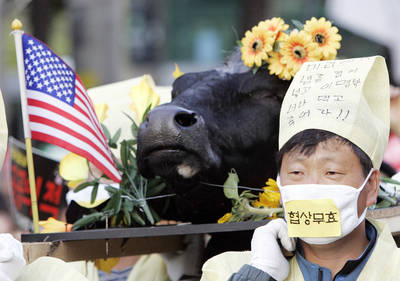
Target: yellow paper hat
[347,97]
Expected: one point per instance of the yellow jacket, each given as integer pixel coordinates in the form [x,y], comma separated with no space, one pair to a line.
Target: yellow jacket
[147,268]
[383,264]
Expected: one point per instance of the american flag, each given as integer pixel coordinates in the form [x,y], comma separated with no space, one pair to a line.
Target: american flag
[60,111]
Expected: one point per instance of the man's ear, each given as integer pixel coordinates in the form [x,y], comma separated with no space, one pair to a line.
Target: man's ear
[373,187]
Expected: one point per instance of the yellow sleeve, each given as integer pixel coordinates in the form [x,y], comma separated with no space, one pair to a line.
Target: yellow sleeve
[50,269]
[222,266]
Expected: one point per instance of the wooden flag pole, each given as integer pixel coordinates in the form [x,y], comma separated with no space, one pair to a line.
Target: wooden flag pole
[17,32]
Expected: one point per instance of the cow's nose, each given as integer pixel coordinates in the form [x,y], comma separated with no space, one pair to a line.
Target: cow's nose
[185,118]
[172,118]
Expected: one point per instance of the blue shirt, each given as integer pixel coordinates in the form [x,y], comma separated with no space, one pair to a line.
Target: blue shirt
[313,272]
[350,271]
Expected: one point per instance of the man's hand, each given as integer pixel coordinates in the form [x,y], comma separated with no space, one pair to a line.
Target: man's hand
[266,254]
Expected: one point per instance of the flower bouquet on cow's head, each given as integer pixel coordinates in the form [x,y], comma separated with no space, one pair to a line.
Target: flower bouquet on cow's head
[95,200]
[273,45]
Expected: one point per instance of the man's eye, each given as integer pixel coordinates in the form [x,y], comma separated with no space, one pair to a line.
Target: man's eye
[295,172]
[331,173]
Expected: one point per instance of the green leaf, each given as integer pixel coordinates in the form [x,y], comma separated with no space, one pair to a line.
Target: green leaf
[390,180]
[298,24]
[127,216]
[87,219]
[276,46]
[116,136]
[94,193]
[146,111]
[147,212]
[231,186]
[157,218]
[114,203]
[106,132]
[255,69]
[111,190]
[383,204]
[239,43]
[84,185]
[136,217]
[155,190]
[124,153]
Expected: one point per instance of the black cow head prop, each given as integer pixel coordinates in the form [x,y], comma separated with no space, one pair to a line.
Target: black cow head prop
[218,120]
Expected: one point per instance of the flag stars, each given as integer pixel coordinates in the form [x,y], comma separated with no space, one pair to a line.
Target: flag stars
[28,51]
[36,79]
[42,76]
[32,57]
[50,89]
[59,94]
[30,42]
[39,85]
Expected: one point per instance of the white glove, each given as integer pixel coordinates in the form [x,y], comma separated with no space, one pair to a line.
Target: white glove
[11,257]
[266,254]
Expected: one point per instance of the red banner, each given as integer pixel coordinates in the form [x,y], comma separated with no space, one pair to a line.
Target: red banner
[50,187]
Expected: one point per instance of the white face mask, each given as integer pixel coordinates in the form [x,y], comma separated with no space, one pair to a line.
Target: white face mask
[344,200]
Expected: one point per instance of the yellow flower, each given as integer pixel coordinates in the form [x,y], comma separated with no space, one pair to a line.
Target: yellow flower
[325,35]
[101,111]
[270,197]
[225,218]
[143,96]
[255,46]
[106,264]
[275,66]
[177,73]
[53,225]
[73,168]
[298,49]
[276,25]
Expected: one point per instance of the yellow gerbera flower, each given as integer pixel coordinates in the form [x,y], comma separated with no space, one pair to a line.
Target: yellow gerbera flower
[255,46]
[177,72]
[325,35]
[52,225]
[270,197]
[298,49]
[276,25]
[225,218]
[275,66]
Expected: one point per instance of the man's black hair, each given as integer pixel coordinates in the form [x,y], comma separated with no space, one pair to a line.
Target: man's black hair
[306,142]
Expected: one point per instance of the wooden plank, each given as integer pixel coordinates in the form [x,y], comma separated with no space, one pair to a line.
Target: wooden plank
[132,232]
[94,249]
[92,244]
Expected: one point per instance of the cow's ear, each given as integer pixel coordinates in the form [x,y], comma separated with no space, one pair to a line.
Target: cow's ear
[188,80]
[262,81]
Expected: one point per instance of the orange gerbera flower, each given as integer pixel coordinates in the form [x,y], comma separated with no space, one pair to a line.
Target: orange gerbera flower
[298,49]
[275,66]
[276,25]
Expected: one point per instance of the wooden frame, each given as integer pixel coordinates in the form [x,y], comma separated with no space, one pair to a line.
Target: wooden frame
[117,242]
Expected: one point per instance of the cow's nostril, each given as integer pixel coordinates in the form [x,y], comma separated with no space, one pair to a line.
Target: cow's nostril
[185,119]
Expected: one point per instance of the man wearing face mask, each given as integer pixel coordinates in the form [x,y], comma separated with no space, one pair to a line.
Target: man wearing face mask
[334,127]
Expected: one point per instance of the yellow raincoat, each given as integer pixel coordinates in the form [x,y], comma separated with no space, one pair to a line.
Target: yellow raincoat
[147,268]
[383,264]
